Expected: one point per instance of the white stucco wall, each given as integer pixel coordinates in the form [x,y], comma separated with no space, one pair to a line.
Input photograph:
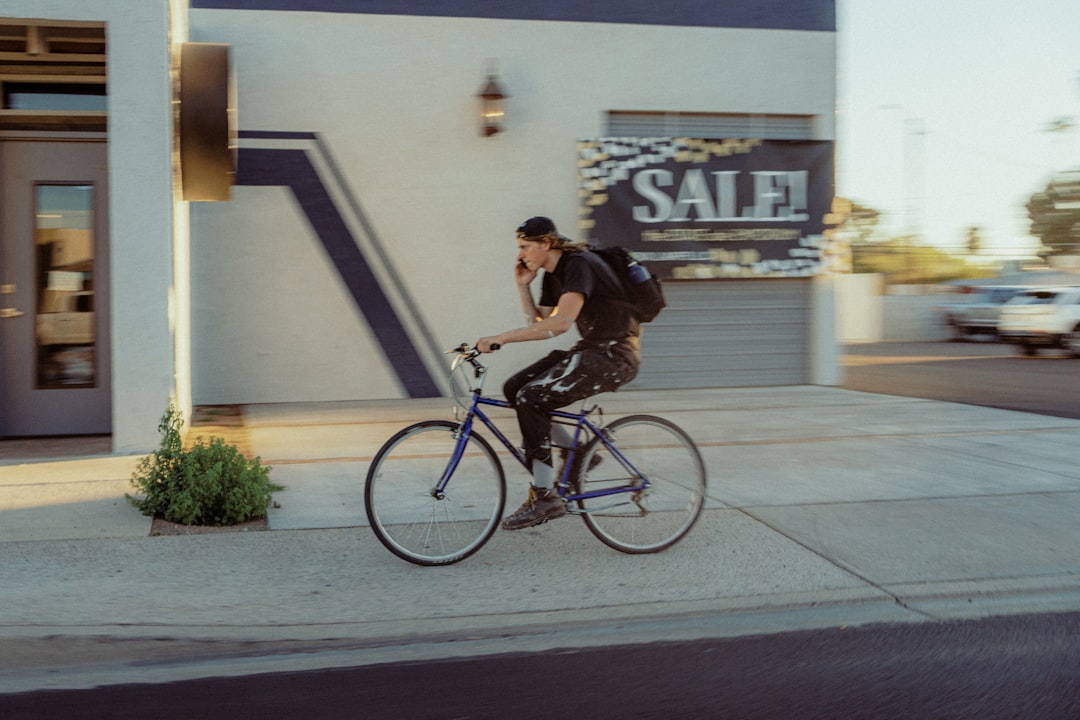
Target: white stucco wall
[859,307]
[823,332]
[393,98]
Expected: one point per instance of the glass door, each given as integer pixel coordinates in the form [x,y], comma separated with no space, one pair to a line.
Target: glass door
[54,377]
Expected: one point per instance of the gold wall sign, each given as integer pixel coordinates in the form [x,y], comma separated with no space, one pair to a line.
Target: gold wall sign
[207,122]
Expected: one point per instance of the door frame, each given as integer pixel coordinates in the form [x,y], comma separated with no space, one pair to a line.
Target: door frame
[27,410]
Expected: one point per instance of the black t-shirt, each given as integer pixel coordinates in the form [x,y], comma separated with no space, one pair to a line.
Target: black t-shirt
[605,316]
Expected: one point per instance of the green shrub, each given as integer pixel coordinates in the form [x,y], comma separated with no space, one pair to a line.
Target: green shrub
[209,484]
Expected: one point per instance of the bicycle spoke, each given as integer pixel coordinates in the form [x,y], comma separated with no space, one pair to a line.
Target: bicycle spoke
[422,526]
[653,517]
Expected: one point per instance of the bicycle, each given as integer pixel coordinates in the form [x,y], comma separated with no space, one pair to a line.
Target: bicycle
[435,491]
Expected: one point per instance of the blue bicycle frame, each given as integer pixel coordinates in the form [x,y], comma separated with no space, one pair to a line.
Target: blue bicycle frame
[581,422]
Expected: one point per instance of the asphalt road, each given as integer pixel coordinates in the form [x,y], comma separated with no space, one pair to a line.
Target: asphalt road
[978,373]
[990,669]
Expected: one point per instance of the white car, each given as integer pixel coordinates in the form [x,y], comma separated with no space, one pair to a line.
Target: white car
[1042,317]
[977,312]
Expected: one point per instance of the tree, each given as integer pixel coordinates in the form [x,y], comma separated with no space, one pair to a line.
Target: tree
[1055,215]
[902,259]
[863,222]
[974,240]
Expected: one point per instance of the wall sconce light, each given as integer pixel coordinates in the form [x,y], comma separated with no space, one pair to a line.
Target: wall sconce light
[492,107]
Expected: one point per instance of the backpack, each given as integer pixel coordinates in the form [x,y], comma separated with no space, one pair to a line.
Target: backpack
[641,288]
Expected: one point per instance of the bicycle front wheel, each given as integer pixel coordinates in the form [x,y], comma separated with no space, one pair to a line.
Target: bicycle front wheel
[668,476]
[412,517]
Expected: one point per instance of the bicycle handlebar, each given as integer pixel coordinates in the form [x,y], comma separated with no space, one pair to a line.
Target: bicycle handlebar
[469,352]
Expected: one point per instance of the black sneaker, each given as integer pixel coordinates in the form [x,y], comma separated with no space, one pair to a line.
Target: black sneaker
[541,505]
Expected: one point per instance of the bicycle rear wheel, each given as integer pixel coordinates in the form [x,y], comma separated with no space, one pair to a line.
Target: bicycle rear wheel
[659,514]
[412,519]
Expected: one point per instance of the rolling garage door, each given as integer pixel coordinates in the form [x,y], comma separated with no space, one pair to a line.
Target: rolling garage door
[728,333]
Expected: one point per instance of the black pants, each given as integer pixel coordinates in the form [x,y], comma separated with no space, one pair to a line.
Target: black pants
[559,379]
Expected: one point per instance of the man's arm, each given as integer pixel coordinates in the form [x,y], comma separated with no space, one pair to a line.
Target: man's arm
[553,324]
[533,312]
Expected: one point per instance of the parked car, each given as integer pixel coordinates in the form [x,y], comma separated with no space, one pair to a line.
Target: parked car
[1042,317]
[977,313]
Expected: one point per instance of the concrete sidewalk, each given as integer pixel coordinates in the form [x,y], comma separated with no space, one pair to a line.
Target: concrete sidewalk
[827,507]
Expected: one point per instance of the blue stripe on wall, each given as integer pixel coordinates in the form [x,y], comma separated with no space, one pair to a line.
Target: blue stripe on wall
[817,15]
[293,169]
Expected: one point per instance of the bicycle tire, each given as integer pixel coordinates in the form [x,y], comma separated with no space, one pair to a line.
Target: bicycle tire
[658,516]
[415,523]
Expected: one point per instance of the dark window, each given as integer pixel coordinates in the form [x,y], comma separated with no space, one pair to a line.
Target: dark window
[55,96]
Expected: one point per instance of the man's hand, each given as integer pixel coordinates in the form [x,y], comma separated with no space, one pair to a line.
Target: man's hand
[523,276]
[488,344]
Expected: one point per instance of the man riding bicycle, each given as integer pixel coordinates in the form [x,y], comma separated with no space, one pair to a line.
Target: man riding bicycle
[579,287]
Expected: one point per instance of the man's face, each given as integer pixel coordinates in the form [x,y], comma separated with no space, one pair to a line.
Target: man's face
[533,252]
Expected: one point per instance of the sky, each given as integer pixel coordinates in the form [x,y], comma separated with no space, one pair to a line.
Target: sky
[942,112]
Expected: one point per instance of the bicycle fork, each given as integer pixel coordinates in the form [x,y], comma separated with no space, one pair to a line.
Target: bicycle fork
[461,440]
